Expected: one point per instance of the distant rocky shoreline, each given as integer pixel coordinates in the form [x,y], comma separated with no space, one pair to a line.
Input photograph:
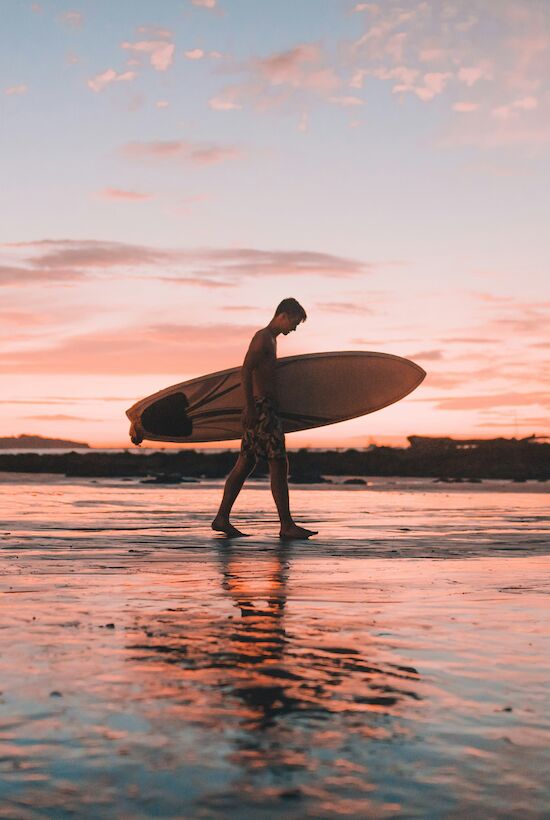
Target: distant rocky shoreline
[443,459]
[25,442]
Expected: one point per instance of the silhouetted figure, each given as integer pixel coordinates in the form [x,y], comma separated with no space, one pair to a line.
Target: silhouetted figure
[263,435]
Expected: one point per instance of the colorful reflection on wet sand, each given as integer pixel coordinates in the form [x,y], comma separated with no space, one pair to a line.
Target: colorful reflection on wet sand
[150,668]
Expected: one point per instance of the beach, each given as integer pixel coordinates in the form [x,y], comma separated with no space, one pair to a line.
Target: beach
[395,665]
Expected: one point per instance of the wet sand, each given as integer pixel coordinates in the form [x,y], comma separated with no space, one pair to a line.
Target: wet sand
[396,665]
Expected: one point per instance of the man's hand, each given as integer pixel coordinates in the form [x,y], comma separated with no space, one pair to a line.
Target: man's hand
[249,417]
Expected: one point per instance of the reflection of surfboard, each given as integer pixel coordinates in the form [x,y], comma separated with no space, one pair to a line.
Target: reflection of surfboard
[314,389]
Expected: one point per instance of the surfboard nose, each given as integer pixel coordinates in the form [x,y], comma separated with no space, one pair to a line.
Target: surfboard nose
[136,435]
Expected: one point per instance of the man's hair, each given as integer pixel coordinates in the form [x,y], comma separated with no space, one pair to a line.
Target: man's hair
[292,308]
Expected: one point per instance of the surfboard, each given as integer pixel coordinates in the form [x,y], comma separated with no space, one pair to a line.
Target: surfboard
[314,389]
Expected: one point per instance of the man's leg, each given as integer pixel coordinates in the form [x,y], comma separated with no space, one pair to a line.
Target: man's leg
[233,485]
[278,468]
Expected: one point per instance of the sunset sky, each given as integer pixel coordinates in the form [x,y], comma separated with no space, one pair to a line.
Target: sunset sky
[172,170]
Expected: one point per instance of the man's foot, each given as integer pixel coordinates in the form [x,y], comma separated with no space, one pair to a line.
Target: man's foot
[294,531]
[220,525]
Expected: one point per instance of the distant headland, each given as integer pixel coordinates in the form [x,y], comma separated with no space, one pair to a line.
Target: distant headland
[26,442]
[440,458]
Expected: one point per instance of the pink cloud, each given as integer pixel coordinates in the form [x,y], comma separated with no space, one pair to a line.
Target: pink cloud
[161,53]
[201,281]
[299,67]
[205,4]
[22,276]
[24,319]
[72,257]
[131,196]
[497,400]
[58,417]
[427,355]
[227,101]
[72,18]
[101,81]
[493,131]
[505,112]
[81,254]
[430,55]
[475,340]
[156,32]
[195,54]
[465,107]
[433,85]
[196,153]
[138,350]
[16,89]
[347,101]
[274,80]
[471,75]
[345,307]
[249,261]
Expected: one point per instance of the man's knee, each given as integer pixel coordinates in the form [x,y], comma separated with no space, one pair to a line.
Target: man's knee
[278,463]
[248,461]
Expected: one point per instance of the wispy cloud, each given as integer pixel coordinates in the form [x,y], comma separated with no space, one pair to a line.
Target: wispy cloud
[120,194]
[54,254]
[75,19]
[160,52]
[479,402]
[156,32]
[73,257]
[504,77]
[138,350]
[474,340]
[101,81]
[427,355]
[301,72]
[58,417]
[23,276]
[13,90]
[181,151]
[465,107]
[345,307]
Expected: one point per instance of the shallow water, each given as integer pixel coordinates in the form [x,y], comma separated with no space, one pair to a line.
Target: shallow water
[395,665]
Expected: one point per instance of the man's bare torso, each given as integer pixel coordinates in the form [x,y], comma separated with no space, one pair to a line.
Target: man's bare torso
[264,376]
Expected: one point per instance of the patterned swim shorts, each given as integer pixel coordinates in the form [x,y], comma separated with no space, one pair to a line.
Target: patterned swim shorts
[266,439]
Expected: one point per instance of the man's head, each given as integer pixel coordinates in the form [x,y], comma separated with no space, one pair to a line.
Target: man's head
[288,315]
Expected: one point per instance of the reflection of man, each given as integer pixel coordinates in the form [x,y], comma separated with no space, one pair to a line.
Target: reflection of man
[263,432]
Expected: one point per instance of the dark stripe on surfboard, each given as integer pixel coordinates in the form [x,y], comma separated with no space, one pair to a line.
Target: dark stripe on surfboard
[213,395]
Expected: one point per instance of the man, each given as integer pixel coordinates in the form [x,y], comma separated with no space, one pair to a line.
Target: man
[263,432]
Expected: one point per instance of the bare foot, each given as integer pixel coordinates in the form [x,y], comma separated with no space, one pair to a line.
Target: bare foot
[294,531]
[219,525]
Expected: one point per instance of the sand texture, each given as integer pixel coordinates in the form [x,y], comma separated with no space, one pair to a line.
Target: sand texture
[396,665]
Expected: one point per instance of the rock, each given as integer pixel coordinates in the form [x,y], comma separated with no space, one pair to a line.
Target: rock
[309,478]
[170,478]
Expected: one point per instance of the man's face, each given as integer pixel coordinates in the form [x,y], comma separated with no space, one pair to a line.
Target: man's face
[291,323]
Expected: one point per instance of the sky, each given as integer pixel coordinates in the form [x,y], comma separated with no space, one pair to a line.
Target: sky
[173,170]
